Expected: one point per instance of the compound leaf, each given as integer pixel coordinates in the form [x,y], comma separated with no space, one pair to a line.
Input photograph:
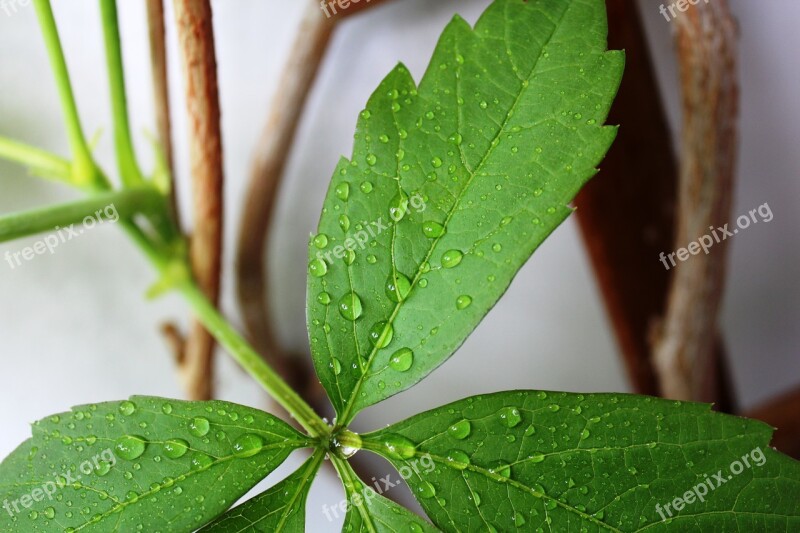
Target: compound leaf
[451,187]
[144,464]
[281,509]
[593,462]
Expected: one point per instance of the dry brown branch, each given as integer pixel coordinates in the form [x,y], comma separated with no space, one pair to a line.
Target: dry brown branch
[684,343]
[269,161]
[783,413]
[627,220]
[196,35]
[158,69]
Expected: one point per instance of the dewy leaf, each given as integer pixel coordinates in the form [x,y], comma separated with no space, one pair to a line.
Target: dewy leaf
[369,512]
[451,187]
[592,462]
[144,464]
[281,509]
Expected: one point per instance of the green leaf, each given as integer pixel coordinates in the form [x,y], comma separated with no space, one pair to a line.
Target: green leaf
[592,462]
[281,509]
[480,161]
[146,463]
[369,512]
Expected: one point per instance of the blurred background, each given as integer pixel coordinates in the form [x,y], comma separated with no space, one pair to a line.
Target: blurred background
[76,328]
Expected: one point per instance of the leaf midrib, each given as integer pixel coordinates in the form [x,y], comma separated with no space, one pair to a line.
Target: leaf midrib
[348,415]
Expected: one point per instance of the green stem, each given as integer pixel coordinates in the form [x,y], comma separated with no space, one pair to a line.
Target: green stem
[246,356]
[106,206]
[129,170]
[42,162]
[84,170]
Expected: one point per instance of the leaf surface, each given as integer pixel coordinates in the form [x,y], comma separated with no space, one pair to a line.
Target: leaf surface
[451,187]
[281,509]
[144,464]
[369,512]
[593,462]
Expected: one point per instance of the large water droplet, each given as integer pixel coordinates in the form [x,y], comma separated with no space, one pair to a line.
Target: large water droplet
[199,427]
[397,286]
[402,359]
[321,241]
[501,469]
[175,448]
[324,298]
[460,430]
[337,366]
[381,334]
[343,191]
[201,461]
[248,445]
[372,159]
[127,408]
[458,459]
[510,416]
[426,490]
[399,447]
[344,223]
[350,306]
[398,206]
[366,187]
[129,447]
[452,258]
[317,268]
[463,301]
[432,229]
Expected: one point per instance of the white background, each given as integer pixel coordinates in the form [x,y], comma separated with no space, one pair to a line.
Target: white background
[75,328]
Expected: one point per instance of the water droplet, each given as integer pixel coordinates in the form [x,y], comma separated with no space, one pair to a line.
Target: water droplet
[585,434]
[398,206]
[337,366]
[321,241]
[350,306]
[349,257]
[371,259]
[484,104]
[381,334]
[510,416]
[366,114]
[397,287]
[501,469]
[536,457]
[248,445]
[49,513]
[166,408]
[199,427]
[426,490]
[344,222]
[201,461]
[553,407]
[432,229]
[463,301]
[436,162]
[317,268]
[402,359]
[497,247]
[458,459]
[384,138]
[460,430]
[129,447]
[398,446]
[366,187]
[127,408]
[372,159]
[175,448]
[415,528]
[324,298]
[452,258]
[343,191]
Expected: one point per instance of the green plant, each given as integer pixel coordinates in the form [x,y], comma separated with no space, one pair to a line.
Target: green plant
[451,186]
